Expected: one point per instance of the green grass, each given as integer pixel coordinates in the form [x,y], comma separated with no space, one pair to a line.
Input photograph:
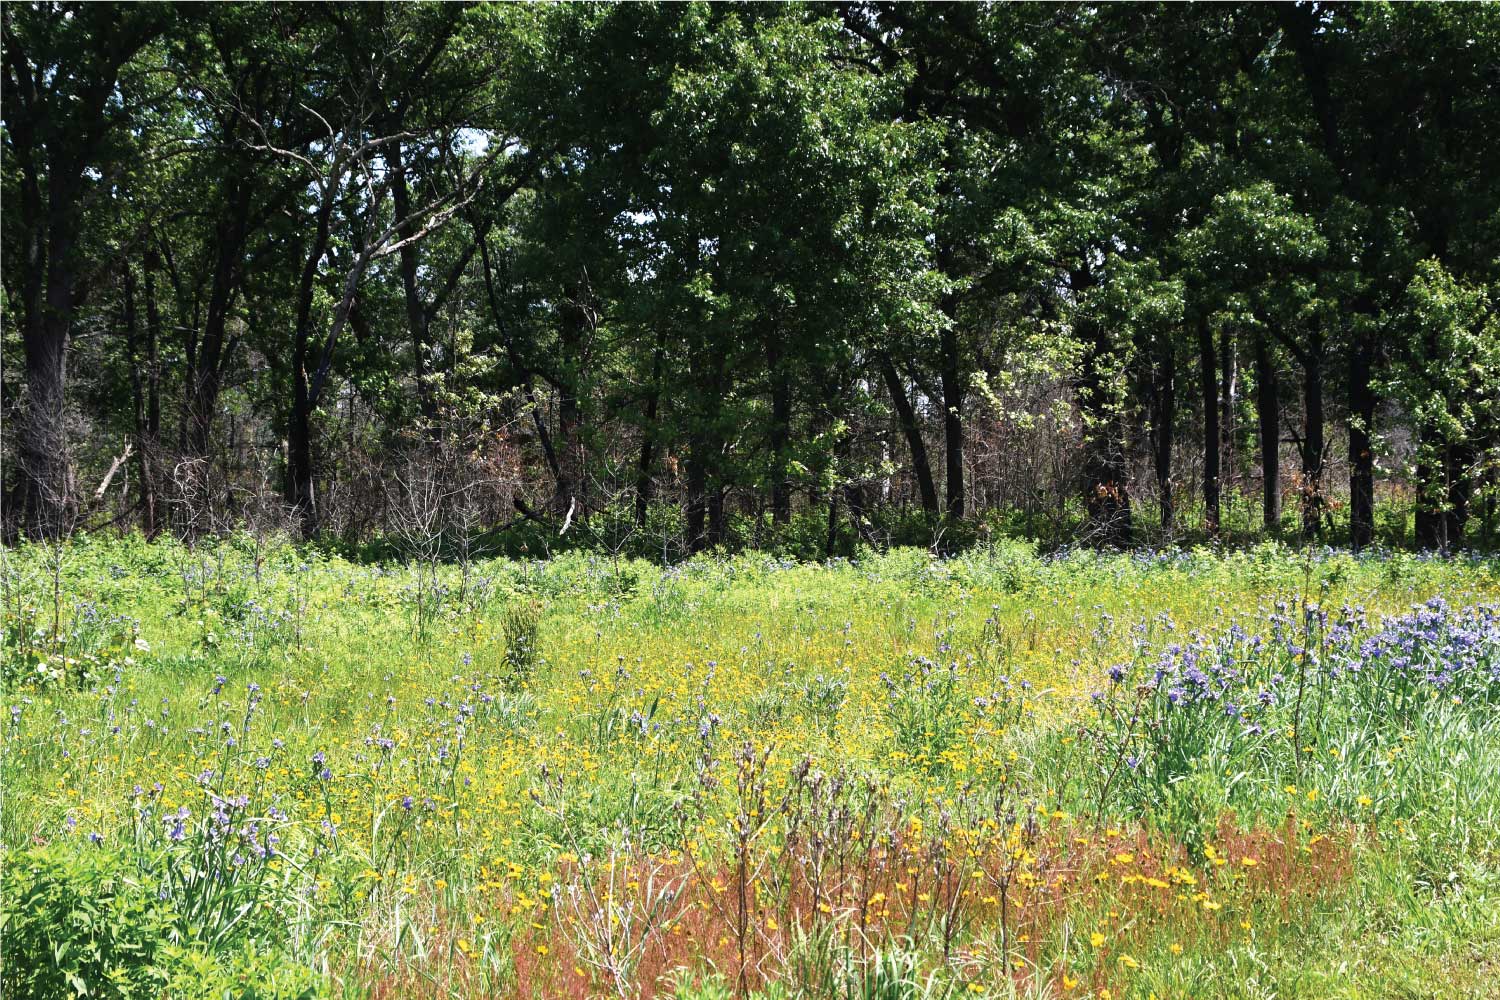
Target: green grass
[548,778]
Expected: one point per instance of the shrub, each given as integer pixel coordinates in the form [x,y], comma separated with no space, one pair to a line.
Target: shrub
[79,923]
[90,923]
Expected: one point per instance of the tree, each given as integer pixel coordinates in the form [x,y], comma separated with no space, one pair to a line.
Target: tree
[64,121]
[1446,373]
[352,166]
[751,275]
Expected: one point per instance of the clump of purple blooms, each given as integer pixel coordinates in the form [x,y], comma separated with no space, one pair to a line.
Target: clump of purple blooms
[1434,649]
[1242,692]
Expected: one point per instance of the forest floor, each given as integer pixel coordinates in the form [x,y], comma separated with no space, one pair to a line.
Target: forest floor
[249,769]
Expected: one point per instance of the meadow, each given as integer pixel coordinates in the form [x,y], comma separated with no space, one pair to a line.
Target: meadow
[252,769]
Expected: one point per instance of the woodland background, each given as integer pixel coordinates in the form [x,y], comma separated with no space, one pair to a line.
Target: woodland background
[660,278]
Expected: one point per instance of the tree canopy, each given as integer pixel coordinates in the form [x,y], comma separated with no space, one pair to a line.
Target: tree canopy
[674,276]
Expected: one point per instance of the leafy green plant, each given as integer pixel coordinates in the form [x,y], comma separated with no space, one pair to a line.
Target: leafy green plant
[93,924]
[79,923]
[823,698]
[924,707]
[521,624]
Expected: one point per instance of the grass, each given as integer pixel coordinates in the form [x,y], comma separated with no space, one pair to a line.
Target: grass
[893,776]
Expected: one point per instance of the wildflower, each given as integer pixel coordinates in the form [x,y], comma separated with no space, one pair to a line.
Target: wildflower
[178,832]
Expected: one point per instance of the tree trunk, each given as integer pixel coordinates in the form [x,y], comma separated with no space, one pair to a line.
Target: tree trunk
[1208,377]
[151,448]
[716,524]
[857,499]
[831,541]
[781,433]
[648,432]
[1487,510]
[1229,390]
[1361,451]
[301,492]
[142,372]
[300,470]
[1106,493]
[953,424]
[521,374]
[416,310]
[1460,492]
[1163,417]
[705,453]
[209,357]
[697,498]
[907,416]
[570,449]
[57,137]
[1268,418]
[573,329]
[46,501]
[644,463]
[1431,525]
[1313,449]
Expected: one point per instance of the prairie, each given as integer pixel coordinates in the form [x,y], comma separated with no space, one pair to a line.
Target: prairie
[258,769]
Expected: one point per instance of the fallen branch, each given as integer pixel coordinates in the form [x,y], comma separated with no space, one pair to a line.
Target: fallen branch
[114,467]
